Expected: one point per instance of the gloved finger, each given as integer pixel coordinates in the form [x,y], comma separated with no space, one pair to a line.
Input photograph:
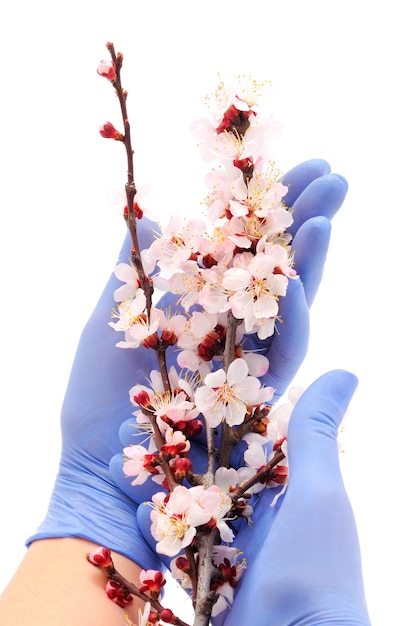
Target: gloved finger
[131,434]
[290,342]
[300,176]
[324,196]
[312,432]
[310,246]
[309,537]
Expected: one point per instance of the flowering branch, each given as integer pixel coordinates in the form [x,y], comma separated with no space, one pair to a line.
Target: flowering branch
[232,280]
[114,75]
[121,591]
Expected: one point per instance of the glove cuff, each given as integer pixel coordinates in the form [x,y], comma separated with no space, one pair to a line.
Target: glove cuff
[98,515]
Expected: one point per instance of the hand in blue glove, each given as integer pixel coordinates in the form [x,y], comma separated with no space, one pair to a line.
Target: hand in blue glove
[86,501]
[303,557]
[304,563]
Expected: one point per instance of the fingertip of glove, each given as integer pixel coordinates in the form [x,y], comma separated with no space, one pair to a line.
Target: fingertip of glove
[325,400]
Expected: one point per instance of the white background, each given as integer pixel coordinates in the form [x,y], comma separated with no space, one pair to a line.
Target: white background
[345,76]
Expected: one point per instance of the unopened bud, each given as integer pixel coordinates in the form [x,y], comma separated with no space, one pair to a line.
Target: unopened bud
[167,616]
[181,467]
[142,399]
[101,557]
[169,336]
[107,70]
[108,131]
[117,593]
[182,563]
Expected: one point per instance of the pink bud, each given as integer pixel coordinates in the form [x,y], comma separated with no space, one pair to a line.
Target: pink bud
[167,616]
[152,580]
[101,557]
[109,131]
[107,70]
[181,467]
[117,593]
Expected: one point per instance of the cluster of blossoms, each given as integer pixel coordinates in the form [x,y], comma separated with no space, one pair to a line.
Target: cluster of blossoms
[227,273]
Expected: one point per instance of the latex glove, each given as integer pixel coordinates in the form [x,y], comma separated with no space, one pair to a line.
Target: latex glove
[85,502]
[303,556]
[304,563]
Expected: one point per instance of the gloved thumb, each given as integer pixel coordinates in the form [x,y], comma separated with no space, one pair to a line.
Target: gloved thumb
[312,434]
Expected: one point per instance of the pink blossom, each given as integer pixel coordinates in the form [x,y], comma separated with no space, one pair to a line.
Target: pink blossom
[117,593]
[101,557]
[225,396]
[280,415]
[152,580]
[197,285]
[176,443]
[174,406]
[127,274]
[227,560]
[255,290]
[138,462]
[178,243]
[261,195]
[174,521]
[134,322]
[129,312]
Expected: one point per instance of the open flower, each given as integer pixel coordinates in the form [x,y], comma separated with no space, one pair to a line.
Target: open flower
[175,518]
[127,274]
[225,396]
[174,521]
[255,290]
[139,462]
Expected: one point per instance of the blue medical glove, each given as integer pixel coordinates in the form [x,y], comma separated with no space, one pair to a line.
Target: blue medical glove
[303,556]
[85,502]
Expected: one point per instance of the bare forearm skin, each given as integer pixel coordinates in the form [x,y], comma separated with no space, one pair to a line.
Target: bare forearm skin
[56,586]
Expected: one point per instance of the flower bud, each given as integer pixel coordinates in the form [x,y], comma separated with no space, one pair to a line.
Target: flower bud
[101,557]
[280,474]
[181,467]
[152,580]
[108,131]
[142,399]
[152,341]
[107,70]
[138,212]
[169,336]
[117,593]
[191,428]
[278,444]
[167,616]
[183,564]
